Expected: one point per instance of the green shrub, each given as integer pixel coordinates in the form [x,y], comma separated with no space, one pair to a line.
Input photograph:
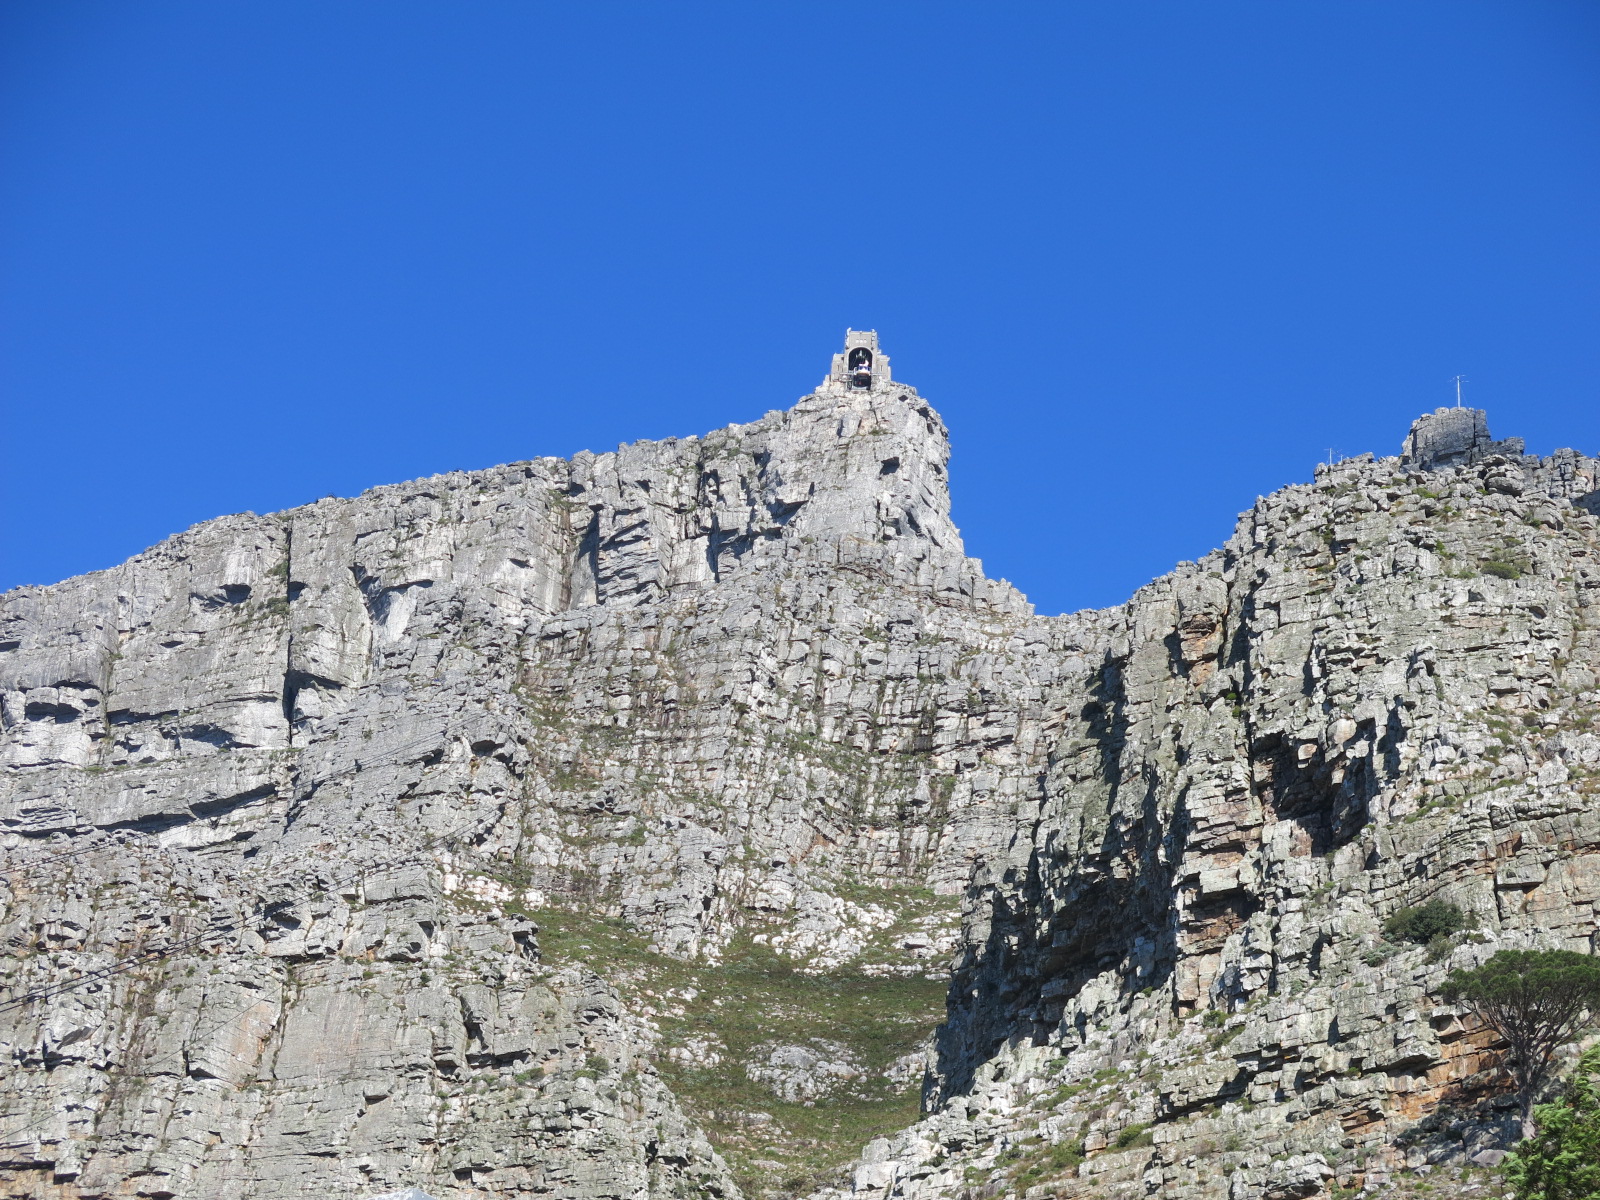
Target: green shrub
[1133,1135]
[1502,570]
[1562,1160]
[1425,922]
[1010,1155]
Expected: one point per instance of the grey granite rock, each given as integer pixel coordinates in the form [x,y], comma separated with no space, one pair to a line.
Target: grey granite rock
[291,780]
[1451,437]
[1381,691]
[795,1072]
[285,799]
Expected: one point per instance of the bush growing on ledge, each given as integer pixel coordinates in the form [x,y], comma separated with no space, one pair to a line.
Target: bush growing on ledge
[1562,1161]
[1425,923]
[1133,1136]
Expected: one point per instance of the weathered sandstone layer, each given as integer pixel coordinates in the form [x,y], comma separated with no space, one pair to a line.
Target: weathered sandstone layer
[429,837]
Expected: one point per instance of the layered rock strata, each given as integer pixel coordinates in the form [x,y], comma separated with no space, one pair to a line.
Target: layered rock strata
[1382,691]
[731,686]
[286,796]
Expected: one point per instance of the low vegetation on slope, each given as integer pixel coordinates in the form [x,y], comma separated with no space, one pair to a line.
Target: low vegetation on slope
[788,1128]
[1562,1162]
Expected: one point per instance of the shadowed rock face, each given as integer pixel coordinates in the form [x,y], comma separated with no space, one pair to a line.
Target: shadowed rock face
[301,786]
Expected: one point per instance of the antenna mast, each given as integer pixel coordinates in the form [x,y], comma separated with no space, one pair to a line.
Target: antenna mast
[1458,381]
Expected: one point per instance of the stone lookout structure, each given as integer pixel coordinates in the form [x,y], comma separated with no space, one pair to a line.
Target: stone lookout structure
[860,366]
[1452,437]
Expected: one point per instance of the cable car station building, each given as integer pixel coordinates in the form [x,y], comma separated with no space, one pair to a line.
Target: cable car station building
[860,366]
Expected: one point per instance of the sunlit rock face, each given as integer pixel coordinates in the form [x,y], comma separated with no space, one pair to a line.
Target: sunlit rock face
[1381,691]
[288,799]
[327,767]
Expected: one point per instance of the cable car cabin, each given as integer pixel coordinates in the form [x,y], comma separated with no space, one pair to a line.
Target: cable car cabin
[860,367]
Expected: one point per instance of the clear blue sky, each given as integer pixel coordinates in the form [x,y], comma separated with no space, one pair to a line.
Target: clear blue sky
[1148,259]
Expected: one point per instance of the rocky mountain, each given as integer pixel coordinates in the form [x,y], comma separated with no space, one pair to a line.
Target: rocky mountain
[695,818]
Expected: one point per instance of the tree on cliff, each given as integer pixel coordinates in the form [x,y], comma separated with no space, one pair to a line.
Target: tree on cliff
[1537,1000]
[1562,1161]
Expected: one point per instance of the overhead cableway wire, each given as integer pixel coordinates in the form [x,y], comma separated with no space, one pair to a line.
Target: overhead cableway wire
[176,1055]
[361,765]
[44,862]
[118,967]
[263,911]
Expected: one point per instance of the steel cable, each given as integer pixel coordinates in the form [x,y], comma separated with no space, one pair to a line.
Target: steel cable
[263,911]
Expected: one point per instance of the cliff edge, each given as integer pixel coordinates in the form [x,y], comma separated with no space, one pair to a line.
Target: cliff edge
[626,825]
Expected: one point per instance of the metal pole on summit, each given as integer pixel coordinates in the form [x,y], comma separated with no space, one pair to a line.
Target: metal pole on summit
[1458,380]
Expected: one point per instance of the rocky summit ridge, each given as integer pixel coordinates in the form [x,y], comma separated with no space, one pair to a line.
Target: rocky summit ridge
[697,819]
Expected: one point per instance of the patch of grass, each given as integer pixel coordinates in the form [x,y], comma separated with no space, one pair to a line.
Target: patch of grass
[1049,1163]
[1066,1092]
[1222,1037]
[755,996]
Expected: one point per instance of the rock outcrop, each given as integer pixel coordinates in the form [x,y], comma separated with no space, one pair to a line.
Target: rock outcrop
[280,791]
[1381,691]
[288,799]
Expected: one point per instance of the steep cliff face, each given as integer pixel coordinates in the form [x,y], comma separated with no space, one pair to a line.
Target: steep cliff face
[498,833]
[294,783]
[1380,692]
